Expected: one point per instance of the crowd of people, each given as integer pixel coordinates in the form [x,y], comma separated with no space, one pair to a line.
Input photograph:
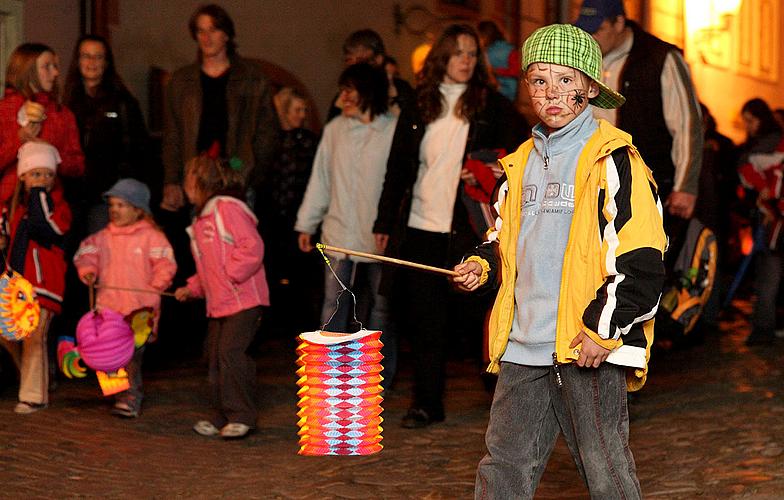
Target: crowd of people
[401,170]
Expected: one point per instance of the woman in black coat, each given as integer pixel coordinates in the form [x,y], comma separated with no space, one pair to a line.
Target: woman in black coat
[423,212]
[111,127]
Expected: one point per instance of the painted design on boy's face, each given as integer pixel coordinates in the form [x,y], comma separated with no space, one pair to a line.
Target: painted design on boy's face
[558,93]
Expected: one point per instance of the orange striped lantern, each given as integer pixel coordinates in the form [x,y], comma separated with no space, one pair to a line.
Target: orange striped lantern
[340,393]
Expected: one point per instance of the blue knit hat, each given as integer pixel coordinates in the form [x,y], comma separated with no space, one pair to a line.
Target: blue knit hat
[134,192]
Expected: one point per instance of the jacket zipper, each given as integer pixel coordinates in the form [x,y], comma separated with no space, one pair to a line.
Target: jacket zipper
[558,379]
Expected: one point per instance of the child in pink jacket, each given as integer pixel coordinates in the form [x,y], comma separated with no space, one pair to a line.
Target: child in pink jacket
[230,274]
[131,252]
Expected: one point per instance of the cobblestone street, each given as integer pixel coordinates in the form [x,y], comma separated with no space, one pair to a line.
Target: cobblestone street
[709,424]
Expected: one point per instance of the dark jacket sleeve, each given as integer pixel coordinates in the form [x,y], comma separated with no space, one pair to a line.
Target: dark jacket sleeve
[265,140]
[171,147]
[401,173]
[47,223]
[498,125]
[136,140]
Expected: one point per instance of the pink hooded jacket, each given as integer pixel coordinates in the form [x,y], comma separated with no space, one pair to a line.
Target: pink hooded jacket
[135,256]
[229,257]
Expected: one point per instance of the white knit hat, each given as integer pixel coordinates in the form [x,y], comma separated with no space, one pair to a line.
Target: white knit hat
[37,154]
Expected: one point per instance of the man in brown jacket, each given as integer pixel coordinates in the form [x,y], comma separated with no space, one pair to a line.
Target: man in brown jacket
[220,104]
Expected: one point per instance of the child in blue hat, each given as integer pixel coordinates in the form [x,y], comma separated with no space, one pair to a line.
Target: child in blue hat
[132,261]
[576,258]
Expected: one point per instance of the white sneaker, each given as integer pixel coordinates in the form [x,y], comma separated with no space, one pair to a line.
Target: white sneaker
[234,430]
[205,428]
[25,408]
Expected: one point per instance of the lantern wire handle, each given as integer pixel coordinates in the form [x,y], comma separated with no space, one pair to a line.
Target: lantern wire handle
[92,296]
[320,248]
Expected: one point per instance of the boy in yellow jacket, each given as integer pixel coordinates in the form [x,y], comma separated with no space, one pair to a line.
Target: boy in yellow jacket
[576,256]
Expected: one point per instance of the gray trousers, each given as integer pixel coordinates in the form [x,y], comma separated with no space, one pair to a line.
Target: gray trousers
[135,394]
[529,411]
[232,372]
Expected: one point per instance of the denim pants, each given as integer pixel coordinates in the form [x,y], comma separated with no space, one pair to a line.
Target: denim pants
[530,410]
[135,394]
[372,309]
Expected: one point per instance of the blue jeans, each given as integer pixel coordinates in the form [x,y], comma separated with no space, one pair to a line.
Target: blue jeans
[530,410]
[372,309]
[135,394]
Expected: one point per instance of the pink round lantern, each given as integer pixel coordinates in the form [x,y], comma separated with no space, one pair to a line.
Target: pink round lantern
[105,340]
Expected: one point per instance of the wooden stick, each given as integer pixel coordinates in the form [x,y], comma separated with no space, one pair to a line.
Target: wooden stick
[390,260]
[139,290]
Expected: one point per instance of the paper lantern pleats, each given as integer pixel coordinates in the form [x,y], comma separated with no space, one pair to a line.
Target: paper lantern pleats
[340,393]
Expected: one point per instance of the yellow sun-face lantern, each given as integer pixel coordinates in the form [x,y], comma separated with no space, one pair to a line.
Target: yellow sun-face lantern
[19,309]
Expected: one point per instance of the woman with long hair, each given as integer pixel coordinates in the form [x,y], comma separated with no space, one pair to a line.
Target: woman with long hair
[457,117]
[760,169]
[31,110]
[111,127]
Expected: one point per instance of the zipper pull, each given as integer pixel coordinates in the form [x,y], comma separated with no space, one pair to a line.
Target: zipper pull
[557,370]
[546,162]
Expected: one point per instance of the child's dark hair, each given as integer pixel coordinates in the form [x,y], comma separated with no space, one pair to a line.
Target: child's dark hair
[371,84]
[216,175]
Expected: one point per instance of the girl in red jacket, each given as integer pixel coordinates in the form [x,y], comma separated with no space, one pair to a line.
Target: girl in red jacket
[36,220]
[230,274]
[31,110]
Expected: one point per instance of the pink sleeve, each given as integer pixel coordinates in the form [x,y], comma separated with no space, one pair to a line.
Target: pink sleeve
[194,285]
[88,257]
[247,254]
[162,260]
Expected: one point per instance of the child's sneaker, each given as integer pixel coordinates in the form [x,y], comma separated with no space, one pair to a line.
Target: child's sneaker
[234,430]
[205,428]
[123,409]
[25,408]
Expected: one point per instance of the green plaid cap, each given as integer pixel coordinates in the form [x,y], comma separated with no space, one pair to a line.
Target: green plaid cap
[570,46]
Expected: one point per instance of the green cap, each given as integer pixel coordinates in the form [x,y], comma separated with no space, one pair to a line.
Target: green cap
[570,46]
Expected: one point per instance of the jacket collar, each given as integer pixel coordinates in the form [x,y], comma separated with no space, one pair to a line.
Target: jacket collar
[136,226]
[574,134]
[212,204]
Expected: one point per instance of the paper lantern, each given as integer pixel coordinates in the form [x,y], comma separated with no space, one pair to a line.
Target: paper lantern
[68,359]
[19,310]
[142,322]
[340,393]
[105,340]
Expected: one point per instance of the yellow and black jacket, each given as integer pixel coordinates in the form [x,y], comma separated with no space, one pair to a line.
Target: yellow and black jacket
[612,268]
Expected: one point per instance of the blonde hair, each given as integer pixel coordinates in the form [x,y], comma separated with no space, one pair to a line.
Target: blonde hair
[283,99]
[215,175]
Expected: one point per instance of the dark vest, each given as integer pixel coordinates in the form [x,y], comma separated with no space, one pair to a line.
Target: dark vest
[642,115]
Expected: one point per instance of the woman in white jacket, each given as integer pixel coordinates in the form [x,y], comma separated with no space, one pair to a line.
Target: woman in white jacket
[342,196]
